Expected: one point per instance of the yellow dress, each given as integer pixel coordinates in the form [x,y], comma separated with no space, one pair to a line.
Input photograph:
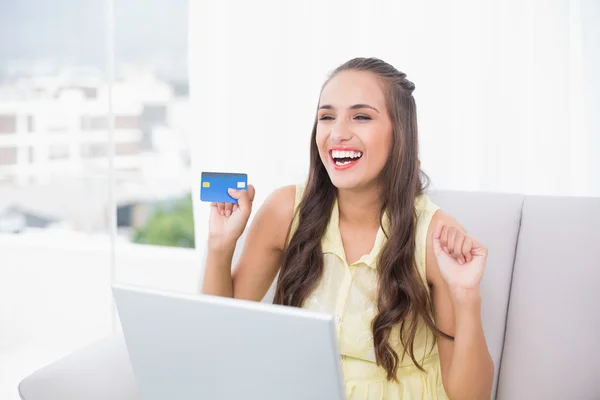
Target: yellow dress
[349,293]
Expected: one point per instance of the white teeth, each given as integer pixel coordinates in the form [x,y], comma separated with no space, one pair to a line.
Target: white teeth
[345,154]
[342,162]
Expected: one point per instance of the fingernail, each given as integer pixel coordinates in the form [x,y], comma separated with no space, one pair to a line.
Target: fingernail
[446,250]
[228,212]
[230,190]
[460,262]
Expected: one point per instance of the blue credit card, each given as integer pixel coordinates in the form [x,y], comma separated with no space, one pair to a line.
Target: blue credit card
[214,185]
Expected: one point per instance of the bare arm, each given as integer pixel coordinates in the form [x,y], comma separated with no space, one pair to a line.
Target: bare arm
[466,364]
[261,255]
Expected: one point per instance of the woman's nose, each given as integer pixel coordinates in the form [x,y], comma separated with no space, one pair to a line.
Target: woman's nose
[340,133]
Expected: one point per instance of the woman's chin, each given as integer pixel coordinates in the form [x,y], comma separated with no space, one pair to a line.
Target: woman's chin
[346,183]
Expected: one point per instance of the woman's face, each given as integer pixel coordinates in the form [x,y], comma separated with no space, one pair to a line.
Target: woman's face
[354,130]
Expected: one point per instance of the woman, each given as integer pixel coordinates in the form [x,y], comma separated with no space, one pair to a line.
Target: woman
[362,241]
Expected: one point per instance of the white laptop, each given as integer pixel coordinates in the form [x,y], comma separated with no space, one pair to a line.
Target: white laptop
[185,346]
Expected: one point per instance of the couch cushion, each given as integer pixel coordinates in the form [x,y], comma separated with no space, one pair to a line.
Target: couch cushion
[552,339]
[98,372]
[494,220]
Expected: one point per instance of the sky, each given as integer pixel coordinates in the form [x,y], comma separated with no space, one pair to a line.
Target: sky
[73,32]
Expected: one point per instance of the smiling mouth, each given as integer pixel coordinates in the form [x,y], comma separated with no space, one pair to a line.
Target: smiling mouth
[345,158]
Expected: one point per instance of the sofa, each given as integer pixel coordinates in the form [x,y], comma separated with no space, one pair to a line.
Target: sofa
[540,306]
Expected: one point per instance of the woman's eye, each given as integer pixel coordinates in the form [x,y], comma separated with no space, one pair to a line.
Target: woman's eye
[326,118]
[362,117]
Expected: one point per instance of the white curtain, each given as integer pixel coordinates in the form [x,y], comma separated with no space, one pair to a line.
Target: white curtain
[507,91]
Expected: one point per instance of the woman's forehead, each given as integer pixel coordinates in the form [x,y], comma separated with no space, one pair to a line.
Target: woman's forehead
[353,87]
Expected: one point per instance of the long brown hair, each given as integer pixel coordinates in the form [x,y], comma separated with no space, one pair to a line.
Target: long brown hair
[402,297]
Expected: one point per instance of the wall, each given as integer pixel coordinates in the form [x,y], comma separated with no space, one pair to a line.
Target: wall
[505,92]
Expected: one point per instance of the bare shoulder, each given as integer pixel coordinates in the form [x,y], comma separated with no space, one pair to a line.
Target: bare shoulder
[276,214]
[260,258]
[280,204]
[445,218]
[432,270]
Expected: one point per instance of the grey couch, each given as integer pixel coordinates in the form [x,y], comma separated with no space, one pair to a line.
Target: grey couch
[541,305]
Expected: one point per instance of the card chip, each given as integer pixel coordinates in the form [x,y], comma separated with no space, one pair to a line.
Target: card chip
[241,185]
[206,184]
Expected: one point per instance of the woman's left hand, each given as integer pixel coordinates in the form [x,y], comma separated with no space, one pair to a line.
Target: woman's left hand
[460,258]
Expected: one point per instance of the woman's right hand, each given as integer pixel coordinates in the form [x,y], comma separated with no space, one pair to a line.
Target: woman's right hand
[228,221]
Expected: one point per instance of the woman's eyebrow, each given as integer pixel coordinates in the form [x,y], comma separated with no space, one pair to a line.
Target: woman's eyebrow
[354,107]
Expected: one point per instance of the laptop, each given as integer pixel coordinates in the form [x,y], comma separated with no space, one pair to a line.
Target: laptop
[188,346]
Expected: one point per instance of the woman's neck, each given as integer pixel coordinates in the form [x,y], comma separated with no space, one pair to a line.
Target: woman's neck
[360,208]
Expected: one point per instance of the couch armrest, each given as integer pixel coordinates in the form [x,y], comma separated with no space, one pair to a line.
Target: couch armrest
[98,372]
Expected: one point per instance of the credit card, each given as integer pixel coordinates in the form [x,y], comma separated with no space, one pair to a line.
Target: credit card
[214,185]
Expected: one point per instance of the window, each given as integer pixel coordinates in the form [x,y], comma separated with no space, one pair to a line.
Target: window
[58,152]
[30,123]
[8,123]
[151,126]
[122,149]
[8,156]
[94,123]
[127,122]
[56,210]
[94,150]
